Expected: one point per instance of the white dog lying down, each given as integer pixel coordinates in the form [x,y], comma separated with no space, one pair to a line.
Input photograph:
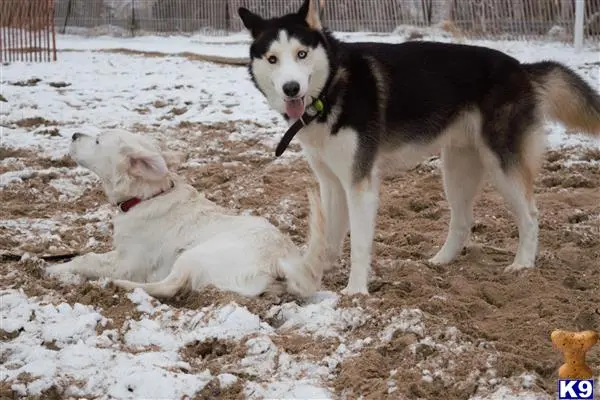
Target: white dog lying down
[167,236]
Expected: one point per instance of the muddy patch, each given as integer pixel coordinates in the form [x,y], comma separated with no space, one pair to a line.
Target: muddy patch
[499,321]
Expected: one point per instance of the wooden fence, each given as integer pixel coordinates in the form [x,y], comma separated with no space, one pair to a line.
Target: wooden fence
[27,30]
[508,19]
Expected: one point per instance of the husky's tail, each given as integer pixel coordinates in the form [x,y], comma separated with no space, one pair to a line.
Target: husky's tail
[166,288]
[565,96]
[304,274]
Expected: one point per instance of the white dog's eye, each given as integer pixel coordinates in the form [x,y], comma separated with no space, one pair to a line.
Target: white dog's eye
[272,59]
[97,141]
[302,54]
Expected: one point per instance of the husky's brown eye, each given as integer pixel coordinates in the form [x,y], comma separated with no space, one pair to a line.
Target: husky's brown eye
[302,54]
[272,59]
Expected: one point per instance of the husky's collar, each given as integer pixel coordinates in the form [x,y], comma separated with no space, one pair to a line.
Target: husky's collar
[128,204]
[309,115]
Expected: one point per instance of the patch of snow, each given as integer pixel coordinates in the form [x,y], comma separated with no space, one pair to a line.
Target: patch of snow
[528,380]
[319,316]
[70,190]
[261,357]
[145,303]
[409,321]
[228,322]
[28,230]
[289,378]
[300,389]
[231,322]
[80,363]
[226,380]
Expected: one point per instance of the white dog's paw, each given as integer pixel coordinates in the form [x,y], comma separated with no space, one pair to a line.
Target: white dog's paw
[516,267]
[276,288]
[65,273]
[352,290]
[59,269]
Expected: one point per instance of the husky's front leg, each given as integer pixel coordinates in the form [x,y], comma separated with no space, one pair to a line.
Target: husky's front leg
[363,201]
[90,266]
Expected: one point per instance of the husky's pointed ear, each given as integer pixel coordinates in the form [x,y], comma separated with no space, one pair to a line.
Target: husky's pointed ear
[311,11]
[253,22]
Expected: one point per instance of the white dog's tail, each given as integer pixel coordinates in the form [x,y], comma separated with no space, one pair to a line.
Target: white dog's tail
[304,274]
[166,288]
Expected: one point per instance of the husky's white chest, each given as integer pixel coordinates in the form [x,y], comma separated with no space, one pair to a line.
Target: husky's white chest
[336,152]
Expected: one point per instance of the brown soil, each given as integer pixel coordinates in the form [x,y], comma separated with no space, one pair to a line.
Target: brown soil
[509,316]
[33,122]
[114,302]
[9,152]
[190,56]
[28,82]
[213,390]
[306,346]
[216,355]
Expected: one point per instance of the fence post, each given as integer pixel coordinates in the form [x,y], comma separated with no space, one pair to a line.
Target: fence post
[132,23]
[64,30]
[578,34]
[51,22]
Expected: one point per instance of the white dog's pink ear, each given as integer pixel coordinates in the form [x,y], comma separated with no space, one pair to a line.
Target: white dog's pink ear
[147,165]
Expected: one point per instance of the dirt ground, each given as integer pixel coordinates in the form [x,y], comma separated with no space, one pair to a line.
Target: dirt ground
[512,313]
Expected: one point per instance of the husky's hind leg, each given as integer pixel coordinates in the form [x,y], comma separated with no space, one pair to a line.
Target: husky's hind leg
[462,173]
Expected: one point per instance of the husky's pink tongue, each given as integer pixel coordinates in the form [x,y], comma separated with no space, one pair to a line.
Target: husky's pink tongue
[294,108]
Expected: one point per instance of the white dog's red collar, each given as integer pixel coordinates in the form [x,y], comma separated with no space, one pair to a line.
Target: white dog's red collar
[126,205]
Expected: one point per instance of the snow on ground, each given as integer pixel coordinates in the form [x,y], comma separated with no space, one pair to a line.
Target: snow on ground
[90,90]
[112,89]
[83,355]
[60,343]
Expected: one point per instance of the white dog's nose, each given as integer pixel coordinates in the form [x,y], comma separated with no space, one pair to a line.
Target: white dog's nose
[76,135]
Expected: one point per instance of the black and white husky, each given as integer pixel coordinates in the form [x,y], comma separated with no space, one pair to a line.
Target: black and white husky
[360,108]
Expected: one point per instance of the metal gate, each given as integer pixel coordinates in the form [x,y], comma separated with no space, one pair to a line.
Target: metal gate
[27,30]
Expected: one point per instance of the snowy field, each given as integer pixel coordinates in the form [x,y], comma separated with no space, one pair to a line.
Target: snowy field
[94,341]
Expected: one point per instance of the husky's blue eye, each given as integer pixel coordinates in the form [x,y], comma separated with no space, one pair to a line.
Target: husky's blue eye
[302,54]
[272,59]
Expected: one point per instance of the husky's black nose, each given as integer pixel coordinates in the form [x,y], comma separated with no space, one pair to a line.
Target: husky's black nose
[291,88]
[76,135]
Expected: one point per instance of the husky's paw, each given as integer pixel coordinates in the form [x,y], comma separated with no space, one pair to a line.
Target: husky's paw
[352,290]
[442,258]
[516,267]
[330,261]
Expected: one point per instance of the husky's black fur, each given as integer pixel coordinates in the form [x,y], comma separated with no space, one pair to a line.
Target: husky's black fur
[428,85]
